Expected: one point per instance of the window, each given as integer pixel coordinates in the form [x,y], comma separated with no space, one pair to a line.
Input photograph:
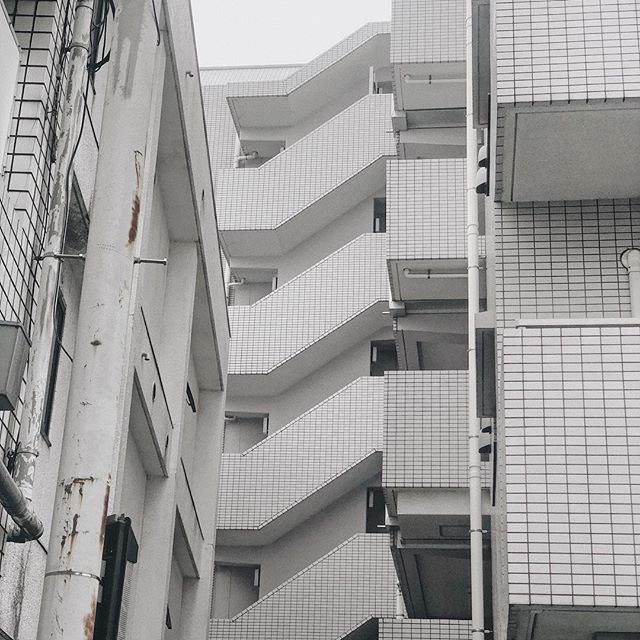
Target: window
[379,215]
[56,348]
[376,511]
[247,286]
[383,357]
[244,430]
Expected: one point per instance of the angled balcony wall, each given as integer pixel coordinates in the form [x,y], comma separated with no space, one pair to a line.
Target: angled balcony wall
[285,101]
[270,209]
[426,229]
[297,471]
[560,73]
[351,584]
[310,319]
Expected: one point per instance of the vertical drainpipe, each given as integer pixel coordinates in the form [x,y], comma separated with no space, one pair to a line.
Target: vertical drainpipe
[43,333]
[100,374]
[631,261]
[475,484]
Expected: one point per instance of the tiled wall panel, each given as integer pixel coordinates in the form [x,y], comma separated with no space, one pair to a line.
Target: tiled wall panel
[42,30]
[556,50]
[563,259]
[427,31]
[310,306]
[426,209]
[221,132]
[572,433]
[409,629]
[303,456]
[425,431]
[306,72]
[309,169]
[353,583]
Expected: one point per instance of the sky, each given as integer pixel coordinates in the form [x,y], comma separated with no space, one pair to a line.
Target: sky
[258,32]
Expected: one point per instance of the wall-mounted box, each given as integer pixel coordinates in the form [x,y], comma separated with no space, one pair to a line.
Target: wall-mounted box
[14,349]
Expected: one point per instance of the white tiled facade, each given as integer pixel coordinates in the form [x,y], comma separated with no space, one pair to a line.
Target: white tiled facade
[281,471]
[559,440]
[427,31]
[426,209]
[425,437]
[336,594]
[308,170]
[572,439]
[309,307]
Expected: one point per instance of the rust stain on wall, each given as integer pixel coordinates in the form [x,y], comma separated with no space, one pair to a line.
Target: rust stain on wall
[89,620]
[135,206]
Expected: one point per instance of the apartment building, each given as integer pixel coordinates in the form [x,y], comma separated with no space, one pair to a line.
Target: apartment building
[362,284]
[107,202]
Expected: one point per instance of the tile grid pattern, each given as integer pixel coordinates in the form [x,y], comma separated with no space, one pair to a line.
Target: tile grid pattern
[409,629]
[557,260]
[561,50]
[308,71]
[430,31]
[561,259]
[425,430]
[221,132]
[308,307]
[41,28]
[299,459]
[572,431]
[426,209]
[354,582]
[309,169]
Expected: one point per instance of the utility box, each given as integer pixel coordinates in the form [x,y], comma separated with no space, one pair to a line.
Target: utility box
[119,554]
[14,350]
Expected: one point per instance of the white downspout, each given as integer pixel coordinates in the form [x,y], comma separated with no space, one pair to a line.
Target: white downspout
[473,281]
[631,261]
[43,333]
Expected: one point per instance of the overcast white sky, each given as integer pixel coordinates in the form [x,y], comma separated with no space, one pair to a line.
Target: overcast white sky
[254,32]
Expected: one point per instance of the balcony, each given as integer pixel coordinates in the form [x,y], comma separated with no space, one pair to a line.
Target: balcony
[303,467]
[337,594]
[393,628]
[426,230]
[335,73]
[568,101]
[571,445]
[310,319]
[271,209]
[425,475]
[429,77]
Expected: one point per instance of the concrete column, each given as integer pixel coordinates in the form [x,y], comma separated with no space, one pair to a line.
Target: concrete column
[147,617]
[100,380]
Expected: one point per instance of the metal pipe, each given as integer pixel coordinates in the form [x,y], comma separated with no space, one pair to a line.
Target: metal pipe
[432,275]
[409,79]
[631,261]
[101,376]
[243,158]
[44,330]
[28,526]
[473,282]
